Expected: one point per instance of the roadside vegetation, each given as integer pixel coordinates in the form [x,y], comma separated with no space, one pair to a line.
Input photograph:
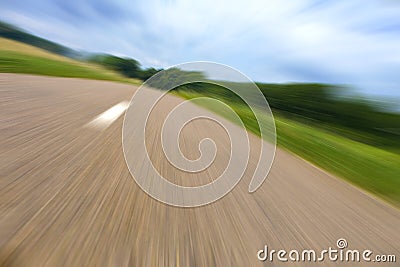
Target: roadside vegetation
[365,158]
[16,57]
[63,61]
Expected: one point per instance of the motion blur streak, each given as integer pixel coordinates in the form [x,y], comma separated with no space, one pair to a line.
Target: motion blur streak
[67,198]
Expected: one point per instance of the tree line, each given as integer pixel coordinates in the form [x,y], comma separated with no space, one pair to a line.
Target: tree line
[128,67]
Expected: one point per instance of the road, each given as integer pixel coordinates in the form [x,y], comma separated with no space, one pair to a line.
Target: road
[68,199]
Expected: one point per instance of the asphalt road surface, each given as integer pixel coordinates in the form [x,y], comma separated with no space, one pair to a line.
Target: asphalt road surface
[68,199]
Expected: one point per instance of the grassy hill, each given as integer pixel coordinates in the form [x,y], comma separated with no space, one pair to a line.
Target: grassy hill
[17,57]
[13,33]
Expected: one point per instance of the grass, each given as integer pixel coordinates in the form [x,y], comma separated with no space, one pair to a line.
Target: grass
[16,57]
[365,166]
[370,168]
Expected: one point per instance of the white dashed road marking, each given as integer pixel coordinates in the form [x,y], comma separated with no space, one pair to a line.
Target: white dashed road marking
[106,118]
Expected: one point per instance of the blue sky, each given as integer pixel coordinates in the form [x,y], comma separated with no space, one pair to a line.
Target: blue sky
[346,42]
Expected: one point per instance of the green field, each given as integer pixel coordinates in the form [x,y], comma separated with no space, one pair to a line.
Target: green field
[16,57]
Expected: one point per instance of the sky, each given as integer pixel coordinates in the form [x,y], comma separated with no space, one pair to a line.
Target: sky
[349,42]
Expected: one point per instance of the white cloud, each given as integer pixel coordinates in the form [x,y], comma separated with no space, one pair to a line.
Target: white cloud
[354,42]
